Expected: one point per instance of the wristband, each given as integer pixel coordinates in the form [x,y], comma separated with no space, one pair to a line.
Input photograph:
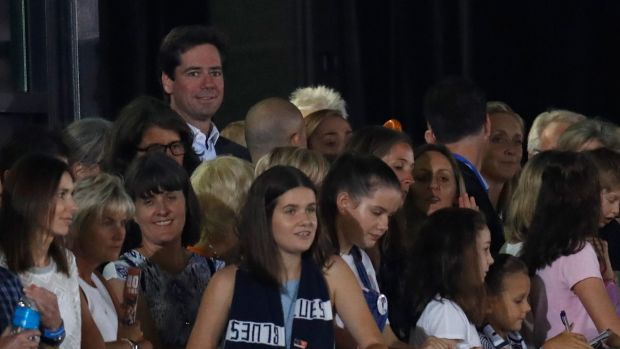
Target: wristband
[131,343]
[53,337]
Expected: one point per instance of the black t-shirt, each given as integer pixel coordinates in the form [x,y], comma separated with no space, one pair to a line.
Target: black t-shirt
[474,188]
[611,234]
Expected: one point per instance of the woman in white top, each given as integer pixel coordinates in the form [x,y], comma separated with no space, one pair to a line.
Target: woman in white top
[445,277]
[37,210]
[97,235]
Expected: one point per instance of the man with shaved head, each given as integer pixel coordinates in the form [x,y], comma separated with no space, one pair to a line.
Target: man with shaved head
[271,123]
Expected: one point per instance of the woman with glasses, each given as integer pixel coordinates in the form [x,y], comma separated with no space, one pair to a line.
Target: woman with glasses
[148,125]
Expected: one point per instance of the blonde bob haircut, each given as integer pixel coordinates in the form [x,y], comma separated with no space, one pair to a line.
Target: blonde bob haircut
[94,196]
[521,209]
[221,186]
[312,163]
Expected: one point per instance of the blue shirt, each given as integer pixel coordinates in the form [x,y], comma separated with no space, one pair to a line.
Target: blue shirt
[473,168]
[288,298]
[11,290]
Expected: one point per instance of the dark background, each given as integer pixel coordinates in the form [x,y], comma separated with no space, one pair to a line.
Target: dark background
[382,56]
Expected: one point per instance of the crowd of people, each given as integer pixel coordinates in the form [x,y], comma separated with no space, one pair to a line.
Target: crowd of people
[290,229]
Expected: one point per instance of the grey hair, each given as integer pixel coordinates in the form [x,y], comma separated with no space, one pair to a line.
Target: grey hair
[544,119]
[313,98]
[578,134]
[86,139]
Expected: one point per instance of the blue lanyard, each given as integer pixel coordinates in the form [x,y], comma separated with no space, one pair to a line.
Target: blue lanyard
[473,168]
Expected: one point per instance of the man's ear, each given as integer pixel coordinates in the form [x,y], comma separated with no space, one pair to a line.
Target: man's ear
[429,136]
[167,83]
[343,202]
[487,127]
[297,140]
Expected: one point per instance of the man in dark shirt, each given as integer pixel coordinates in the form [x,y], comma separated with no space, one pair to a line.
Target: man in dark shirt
[455,112]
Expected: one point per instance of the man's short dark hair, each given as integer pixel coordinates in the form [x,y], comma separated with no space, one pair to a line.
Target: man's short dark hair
[455,108]
[183,38]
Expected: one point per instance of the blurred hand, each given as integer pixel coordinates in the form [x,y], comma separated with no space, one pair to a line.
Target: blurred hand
[438,343]
[145,345]
[47,304]
[567,340]
[133,332]
[20,340]
[466,201]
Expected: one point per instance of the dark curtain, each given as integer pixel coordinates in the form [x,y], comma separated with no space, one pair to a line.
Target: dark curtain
[130,33]
[532,55]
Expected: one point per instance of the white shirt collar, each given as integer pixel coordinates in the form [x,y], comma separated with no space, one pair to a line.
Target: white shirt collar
[205,146]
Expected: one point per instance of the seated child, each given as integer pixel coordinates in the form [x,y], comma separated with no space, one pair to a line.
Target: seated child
[607,162]
[508,287]
[445,277]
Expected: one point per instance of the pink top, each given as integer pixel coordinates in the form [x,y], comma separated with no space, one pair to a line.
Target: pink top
[552,292]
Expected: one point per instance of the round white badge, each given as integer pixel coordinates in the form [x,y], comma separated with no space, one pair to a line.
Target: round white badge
[382,304]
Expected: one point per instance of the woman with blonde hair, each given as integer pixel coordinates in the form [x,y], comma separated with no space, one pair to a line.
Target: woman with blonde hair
[221,186]
[310,162]
[502,161]
[97,235]
[521,210]
[327,132]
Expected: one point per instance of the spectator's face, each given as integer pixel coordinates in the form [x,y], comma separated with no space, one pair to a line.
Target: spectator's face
[161,217]
[330,136]
[502,160]
[294,221]
[64,207]
[366,219]
[610,205]
[197,90]
[483,250]
[509,308]
[400,160]
[156,138]
[102,240]
[434,185]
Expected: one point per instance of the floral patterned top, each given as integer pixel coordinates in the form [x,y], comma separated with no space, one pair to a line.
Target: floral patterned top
[173,300]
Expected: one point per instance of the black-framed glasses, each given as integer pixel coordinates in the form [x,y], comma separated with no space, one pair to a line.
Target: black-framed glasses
[176,148]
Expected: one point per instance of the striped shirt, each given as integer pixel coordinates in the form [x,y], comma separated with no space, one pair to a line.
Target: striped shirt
[11,291]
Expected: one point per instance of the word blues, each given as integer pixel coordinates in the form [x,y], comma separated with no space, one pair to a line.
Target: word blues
[313,309]
[255,332]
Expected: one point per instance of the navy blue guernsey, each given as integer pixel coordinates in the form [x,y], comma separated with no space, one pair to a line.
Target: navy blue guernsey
[256,319]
